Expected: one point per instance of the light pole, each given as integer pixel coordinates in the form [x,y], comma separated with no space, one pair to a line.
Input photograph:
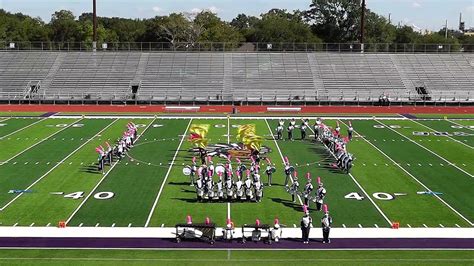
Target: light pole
[94,26]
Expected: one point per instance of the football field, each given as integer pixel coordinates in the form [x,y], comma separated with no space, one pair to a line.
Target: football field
[417,172]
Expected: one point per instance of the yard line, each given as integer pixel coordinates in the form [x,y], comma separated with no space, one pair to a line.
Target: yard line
[363,190]
[25,127]
[58,164]
[166,176]
[103,178]
[432,152]
[457,124]
[228,142]
[281,155]
[412,176]
[39,142]
[443,136]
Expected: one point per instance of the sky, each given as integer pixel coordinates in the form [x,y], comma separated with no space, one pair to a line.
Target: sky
[424,14]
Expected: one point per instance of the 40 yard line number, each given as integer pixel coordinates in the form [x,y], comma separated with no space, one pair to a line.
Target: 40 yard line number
[376,195]
[99,195]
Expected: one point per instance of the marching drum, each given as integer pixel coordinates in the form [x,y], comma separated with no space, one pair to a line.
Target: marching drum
[187,170]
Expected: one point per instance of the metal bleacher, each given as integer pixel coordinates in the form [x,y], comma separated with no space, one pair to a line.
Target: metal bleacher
[262,77]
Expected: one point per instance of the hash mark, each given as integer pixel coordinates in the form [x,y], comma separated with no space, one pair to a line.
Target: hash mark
[48,224]
[343,225]
[97,225]
[80,225]
[409,225]
[129,225]
[15,224]
[360,226]
[31,225]
[425,225]
[440,225]
[113,225]
[162,225]
[457,225]
[376,226]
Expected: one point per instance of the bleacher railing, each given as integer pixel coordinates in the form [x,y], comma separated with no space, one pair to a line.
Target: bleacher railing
[240,47]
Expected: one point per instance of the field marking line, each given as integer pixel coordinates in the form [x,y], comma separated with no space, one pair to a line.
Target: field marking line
[155,203]
[457,124]
[442,136]
[228,142]
[3,119]
[59,163]
[245,249]
[432,152]
[228,259]
[23,128]
[361,188]
[102,179]
[39,142]
[412,176]
[281,155]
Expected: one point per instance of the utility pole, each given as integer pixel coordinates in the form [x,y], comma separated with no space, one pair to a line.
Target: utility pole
[446,30]
[362,26]
[389,18]
[94,22]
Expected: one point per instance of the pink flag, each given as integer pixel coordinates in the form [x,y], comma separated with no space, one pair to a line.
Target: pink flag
[305,208]
[194,159]
[325,208]
[268,161]
[296,174]
[248,172]
[238,160]
[286,159]
[189,219]
[308,176]
[319,180]
[257,222]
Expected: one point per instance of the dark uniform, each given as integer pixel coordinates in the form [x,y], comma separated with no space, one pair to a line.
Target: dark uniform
[306,227]
[326,222]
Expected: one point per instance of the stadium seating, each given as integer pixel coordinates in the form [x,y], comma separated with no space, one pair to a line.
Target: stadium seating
[236,77]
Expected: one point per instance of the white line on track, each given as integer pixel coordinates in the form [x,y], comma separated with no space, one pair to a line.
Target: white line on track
[281,155]
[58,164]
[166,176]
[432,152]
[361,188]
[39,142]
[412,176]
[443,136]
[102,179]
[23,128]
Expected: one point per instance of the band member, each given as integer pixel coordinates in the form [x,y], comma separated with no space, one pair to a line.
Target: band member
[258,191]
[229,187]
[240,168]
[101,160]
[350,130]
[210,168]
[303,127]
[294,189]
[248,188]
[229,231]
[308,188]
[110,156]
[306,223]
[269,171]
[290,129]
[288,171]
[239,187]
[326,222]
[281,123]
[276,231]
[199,189]
[210,188]
[338,130]
[279,131]
[202,155]
[317,129]
[220,190]
[320,194]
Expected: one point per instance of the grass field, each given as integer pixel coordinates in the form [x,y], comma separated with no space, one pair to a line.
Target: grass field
[234,257]
[395,159]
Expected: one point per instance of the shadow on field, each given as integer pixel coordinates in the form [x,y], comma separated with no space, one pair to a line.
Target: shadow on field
[287,203]
[91,169]
[179,183]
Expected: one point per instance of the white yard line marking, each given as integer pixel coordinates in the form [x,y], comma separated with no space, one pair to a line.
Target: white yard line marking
[281,155]
[228,142]
[443,136]
[23,128]
[37,143]
[363,190]
[166,176]
[412,176]
[461,125]
[437,155]
[102,179]
[58,164]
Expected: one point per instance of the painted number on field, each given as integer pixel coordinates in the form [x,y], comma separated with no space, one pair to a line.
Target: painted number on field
[99,195]
[156,125]
[219,126]
[382,196]
[354,195]
[104,195]
[61,125]
[391,126]
[140,125]
[78,125]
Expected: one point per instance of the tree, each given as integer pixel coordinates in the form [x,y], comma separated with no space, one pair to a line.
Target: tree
[64,27]
[281,26]
[335,20]
[216,30]
[406,34]
[246,26]
[378,30]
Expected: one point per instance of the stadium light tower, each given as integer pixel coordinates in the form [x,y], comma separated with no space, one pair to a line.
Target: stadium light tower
[94,26]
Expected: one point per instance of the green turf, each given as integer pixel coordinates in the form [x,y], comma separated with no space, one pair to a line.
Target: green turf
[351,213]
[10,125]
[436,174]
[457,132]
[28,167]
[135,183]
[235,257]
[377,173]
[448,148]
[78,173]
[442,116]
[24,139]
